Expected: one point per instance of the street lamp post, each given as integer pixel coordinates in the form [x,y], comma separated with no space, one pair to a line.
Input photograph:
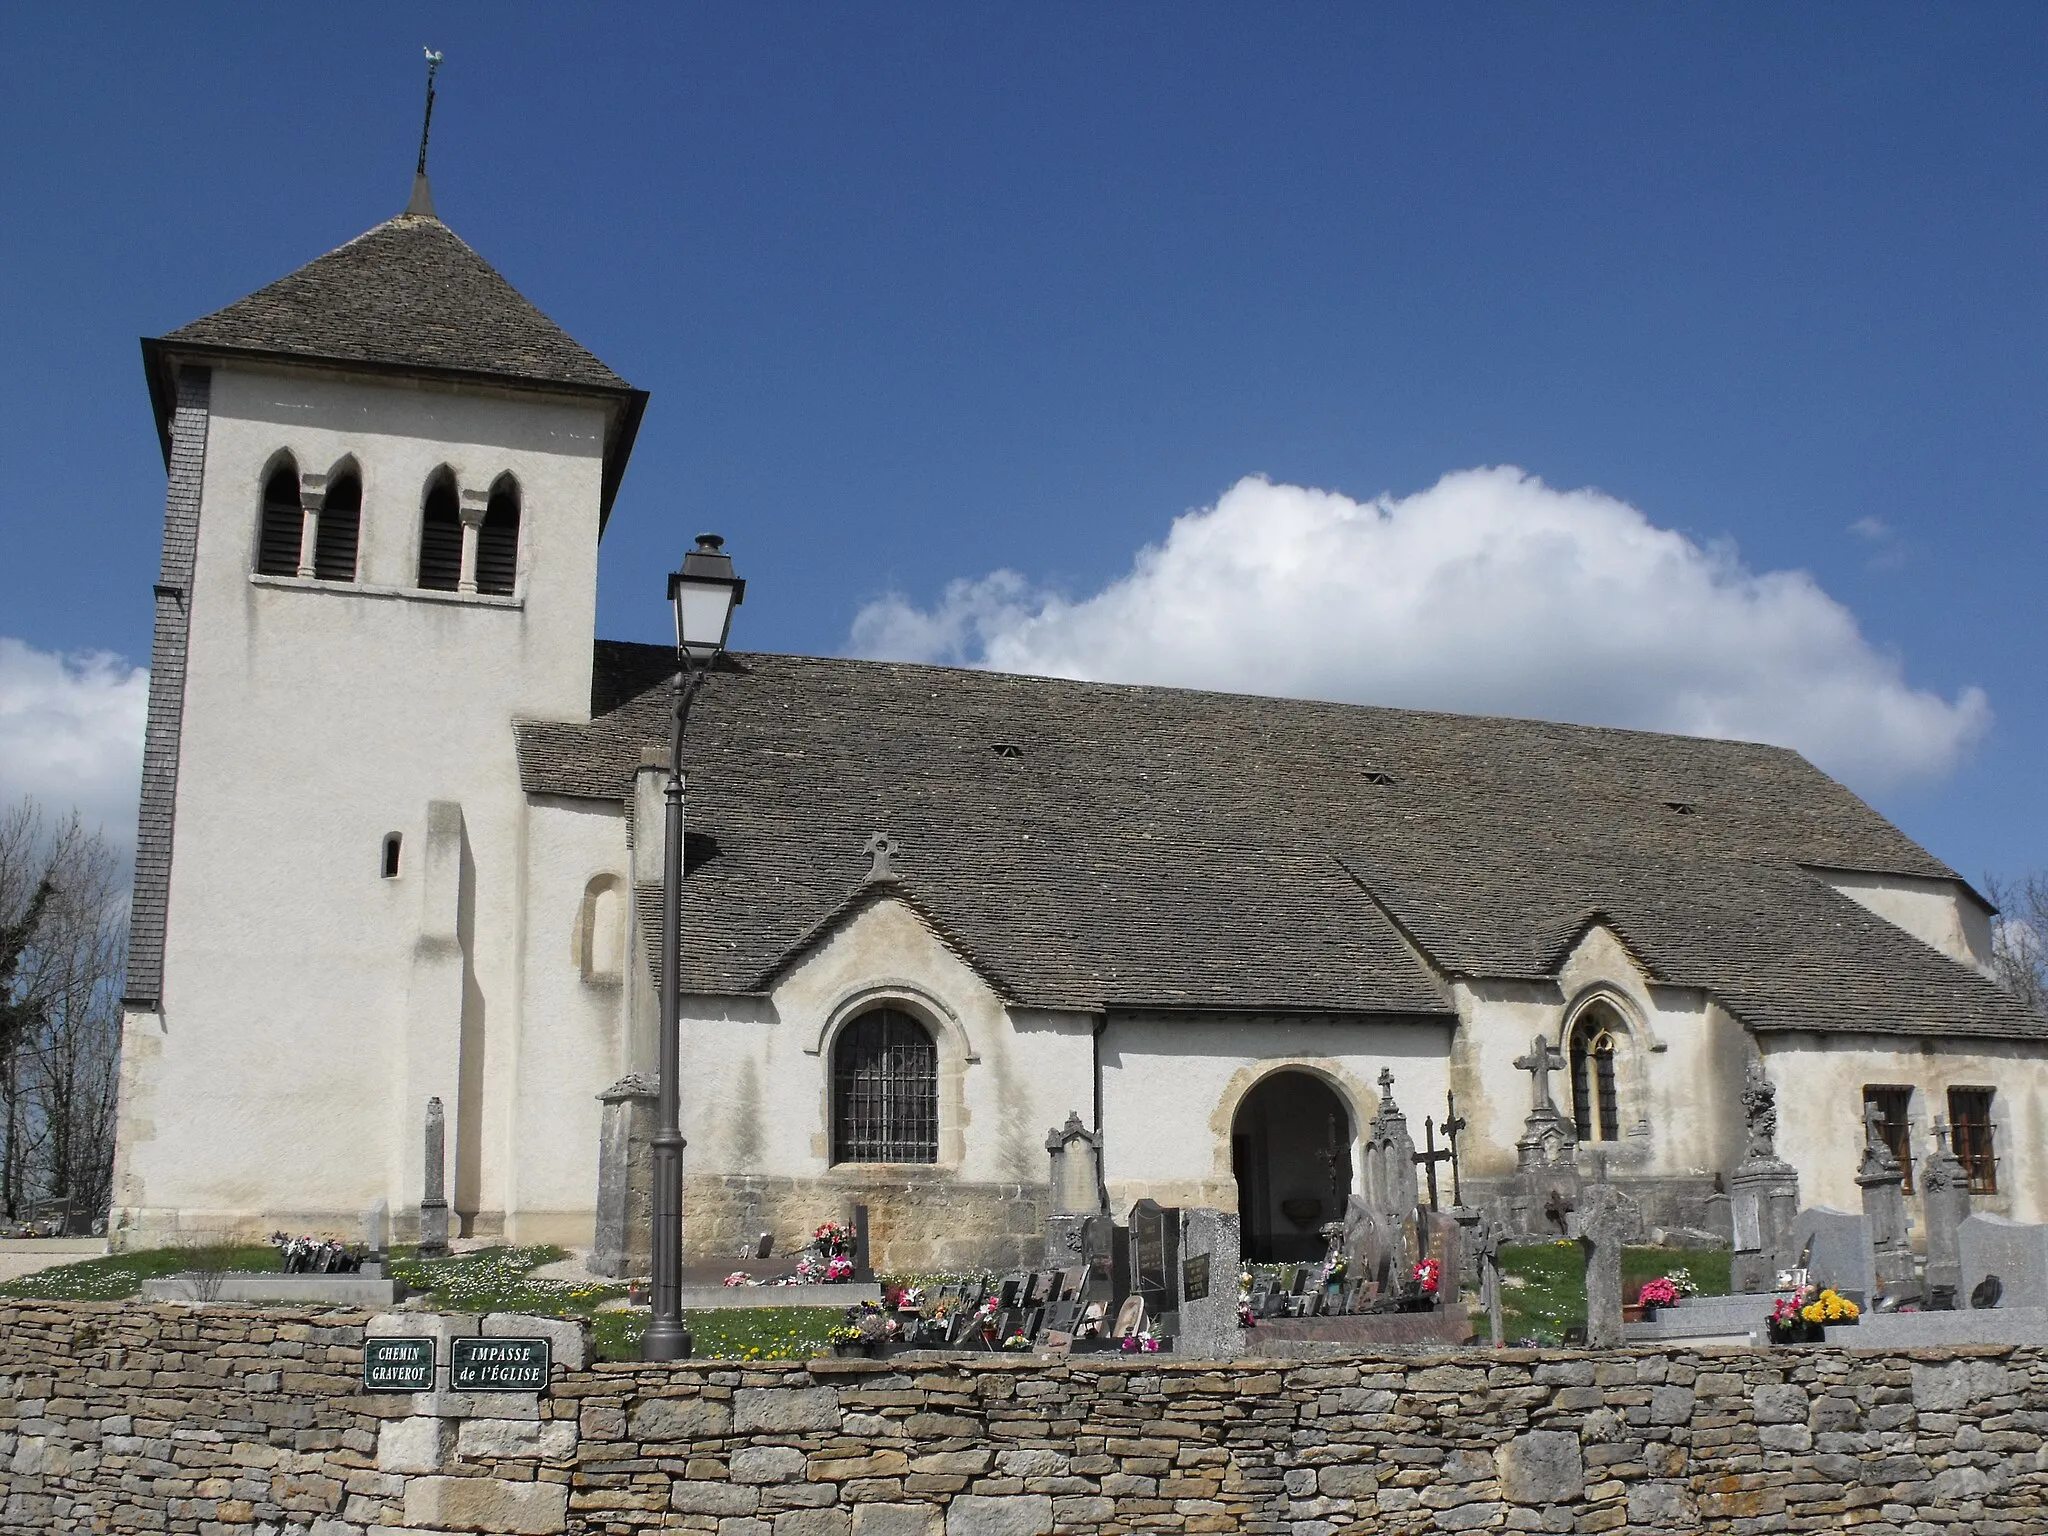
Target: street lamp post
[704,593]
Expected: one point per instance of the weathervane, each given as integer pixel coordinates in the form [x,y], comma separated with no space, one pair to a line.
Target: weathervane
[422,197]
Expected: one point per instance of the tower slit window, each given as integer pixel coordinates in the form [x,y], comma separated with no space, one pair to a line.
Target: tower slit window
[341,518]
[441,536]
[1969,1118]
[497,543]
[284,523]
[390,862]
[885,1091]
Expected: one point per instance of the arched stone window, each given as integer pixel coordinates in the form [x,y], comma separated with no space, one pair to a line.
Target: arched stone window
[284,521]
[497,541]
[885,1090]
[1597,1037]
[441,534]
[341,518]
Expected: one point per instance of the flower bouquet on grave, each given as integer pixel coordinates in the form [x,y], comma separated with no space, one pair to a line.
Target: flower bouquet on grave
[1419,1294]
[1660,1292]
[985,1320]
[833,1237]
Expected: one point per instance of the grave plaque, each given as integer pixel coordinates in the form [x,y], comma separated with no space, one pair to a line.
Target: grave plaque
[1194,1277]
[498,1365]
[398,1365]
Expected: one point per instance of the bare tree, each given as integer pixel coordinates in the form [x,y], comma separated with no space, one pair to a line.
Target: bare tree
[2019,941]
[63,938]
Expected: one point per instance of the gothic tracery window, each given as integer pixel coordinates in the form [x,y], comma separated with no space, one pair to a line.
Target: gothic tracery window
[885,1091]
[1596,1111]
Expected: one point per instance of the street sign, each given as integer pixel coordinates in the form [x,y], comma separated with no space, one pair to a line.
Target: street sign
[398,1365]
[498,1365]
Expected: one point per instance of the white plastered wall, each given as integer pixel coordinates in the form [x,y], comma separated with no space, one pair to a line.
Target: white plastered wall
[1171,1086]
[756,1095]
[308,1011]
[1678,1074]
[571,1028]
[1940,913]
[1820,1081]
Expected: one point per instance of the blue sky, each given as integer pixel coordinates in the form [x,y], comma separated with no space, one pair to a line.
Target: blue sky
[925,294]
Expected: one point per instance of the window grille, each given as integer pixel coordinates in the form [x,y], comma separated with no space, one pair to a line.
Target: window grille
[284,524]
[497,544]
[341,517]
[1969,1118]
[441,539]
[1595,1113]
[1895,1108]
[885,1091]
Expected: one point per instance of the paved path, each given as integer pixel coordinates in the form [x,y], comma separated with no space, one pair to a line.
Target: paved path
[28,1255]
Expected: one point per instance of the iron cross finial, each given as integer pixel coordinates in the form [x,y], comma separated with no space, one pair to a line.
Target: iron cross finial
[1386,1082]
[882,849]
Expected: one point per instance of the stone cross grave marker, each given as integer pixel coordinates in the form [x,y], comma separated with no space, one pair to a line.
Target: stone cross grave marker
[1945,1197]
[1604,1219]
[1883,1183]
[1763,1189]
[1210,1246]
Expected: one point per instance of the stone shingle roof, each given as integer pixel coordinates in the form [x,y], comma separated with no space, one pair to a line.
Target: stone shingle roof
[1118,847]
[407,294]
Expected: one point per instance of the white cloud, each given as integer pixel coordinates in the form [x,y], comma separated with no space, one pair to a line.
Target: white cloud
[1489,592]
[71,734]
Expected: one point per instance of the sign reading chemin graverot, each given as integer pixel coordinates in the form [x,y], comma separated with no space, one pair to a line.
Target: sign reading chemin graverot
[498,1365]
[398,1365]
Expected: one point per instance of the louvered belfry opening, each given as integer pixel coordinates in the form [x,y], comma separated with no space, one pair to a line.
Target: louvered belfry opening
[441,537]
[497,545]
[284,523]
[341,521]
[885,1091]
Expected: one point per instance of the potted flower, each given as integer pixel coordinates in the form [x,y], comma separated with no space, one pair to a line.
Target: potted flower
[1423,1282]
[846,1340]
[1660,1292]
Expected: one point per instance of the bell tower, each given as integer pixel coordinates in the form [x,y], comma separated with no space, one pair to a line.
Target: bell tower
[388,475]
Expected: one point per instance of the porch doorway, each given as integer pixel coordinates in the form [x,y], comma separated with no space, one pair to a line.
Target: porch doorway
[1290,1148]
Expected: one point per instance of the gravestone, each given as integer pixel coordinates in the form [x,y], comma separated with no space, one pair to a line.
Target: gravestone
[1076,1157]
[377,1233]
[1945,1198]
[1546,1182]
[1100,1260]
[1603,1220]
[625,1179]
[1208,1327]
[1883,1183]
[2015,1252]
[1130,1317]
[1763,1190]
[434,1200]
[1381,1242]
[1447,1247]
[1833,1247]
[1154,1246]
[1482,1242]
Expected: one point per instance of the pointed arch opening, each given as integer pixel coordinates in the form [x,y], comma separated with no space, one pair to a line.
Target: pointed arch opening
[341,521]
[497,544]
[441,533]
[1598,1036]
[283,525]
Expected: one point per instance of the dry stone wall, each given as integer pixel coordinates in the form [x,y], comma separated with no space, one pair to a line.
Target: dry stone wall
[231,1421]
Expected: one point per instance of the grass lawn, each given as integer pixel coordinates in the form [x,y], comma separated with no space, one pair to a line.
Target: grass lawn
[730,1333]
[1552,1296]
[121,1274]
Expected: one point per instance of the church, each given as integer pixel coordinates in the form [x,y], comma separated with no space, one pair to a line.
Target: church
[400,842]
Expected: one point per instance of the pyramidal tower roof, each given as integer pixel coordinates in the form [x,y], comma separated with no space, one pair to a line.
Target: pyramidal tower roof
[407,294]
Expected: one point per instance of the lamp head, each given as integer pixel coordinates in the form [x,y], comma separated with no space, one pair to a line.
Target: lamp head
[704,593]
